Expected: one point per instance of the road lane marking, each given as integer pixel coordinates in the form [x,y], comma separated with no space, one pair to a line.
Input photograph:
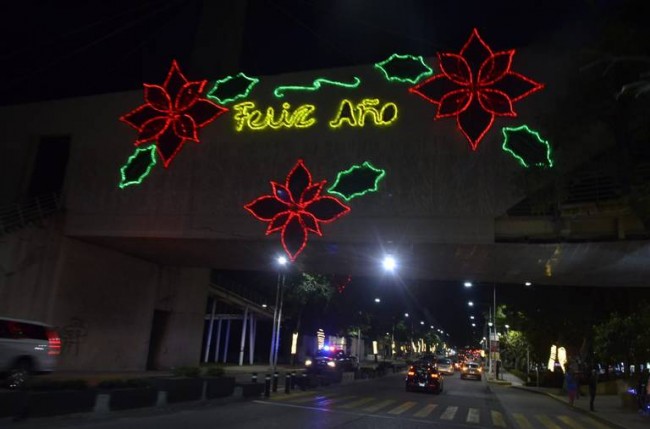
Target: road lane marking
[522,421]
[570,422]
[449,413]
[424,412]
[547,422]
[473,415]
[379,406]
[405,406]
[357,403]
[497,419]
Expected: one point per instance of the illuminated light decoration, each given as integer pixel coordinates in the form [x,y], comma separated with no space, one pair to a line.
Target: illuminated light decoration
[138,166]
[475,86]
[172,114]
[355,114]
[296,208]
[404,68]
[316,85]
[527,147]
[248,117]
[232,88]
[343,283]
[357,181]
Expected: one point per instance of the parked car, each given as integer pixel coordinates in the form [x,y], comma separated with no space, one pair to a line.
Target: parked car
[331,360]
[471,370]
[422,376]
[26,347]
[445,366]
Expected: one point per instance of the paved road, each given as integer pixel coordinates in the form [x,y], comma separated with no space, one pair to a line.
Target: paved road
[378,403]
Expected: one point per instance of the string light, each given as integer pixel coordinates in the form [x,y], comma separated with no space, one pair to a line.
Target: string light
[355,114]
[531,136]
[232,88]
[357,181]
[142,157]
[415,65]
[296,208]
[316,85]
[475,95]
[172,114]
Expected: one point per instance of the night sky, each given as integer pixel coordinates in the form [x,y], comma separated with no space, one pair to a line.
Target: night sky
[55,49]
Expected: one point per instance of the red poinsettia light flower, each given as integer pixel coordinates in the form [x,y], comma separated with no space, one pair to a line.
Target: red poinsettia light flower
[475,86]
[172,114]
[296,208]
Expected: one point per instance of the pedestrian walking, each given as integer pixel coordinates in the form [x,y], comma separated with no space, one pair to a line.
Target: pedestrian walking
[571,386]
[593,386]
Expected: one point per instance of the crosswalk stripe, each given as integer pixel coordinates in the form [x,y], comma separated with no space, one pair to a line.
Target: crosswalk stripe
[473,415]
[331,400]
[497,419]
[286,397]
[593,423]
[309,399]
[405,406]
[424,412]
[379,406]
[449,413]
[570,422]
[547,422]
[522,421]
[357,403]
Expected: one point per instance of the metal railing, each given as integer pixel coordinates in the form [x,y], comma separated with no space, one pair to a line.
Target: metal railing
[16,216]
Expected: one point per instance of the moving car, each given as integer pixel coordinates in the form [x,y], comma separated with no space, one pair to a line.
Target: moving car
[422,376]
[331,360]
[471,370]
[26,347]
[445,366]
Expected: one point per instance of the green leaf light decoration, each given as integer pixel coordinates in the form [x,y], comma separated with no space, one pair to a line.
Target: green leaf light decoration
[357,181]
[316,85]
[527,147]
[404,68]
[232,88]
[138,166]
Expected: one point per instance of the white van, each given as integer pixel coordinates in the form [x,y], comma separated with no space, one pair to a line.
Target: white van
[26,347]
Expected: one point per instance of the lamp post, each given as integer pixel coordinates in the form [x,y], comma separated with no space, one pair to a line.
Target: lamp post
[492,323]
[277,313]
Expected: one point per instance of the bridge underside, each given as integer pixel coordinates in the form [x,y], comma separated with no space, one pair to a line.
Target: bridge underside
[618,263]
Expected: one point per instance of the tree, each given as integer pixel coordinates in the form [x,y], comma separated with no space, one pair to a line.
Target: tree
[304,291]
[515,347]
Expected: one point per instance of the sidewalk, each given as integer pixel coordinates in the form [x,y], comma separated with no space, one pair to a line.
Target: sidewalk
[609,408]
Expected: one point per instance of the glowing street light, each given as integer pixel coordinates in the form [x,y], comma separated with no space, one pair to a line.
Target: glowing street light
[470,303]
[377,300]
[468,284]
[528,284]
[389,263]
[406,315]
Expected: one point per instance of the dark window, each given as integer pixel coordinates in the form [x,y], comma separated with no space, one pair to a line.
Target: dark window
[48,173]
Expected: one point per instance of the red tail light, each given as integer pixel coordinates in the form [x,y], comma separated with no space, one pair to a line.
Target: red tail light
[54,342]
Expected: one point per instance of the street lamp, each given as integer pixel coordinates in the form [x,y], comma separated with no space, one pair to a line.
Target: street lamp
[389,263]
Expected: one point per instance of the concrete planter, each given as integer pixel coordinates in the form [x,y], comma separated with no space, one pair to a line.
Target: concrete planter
[136,397]
[180,389]
[59,402]
[219,387]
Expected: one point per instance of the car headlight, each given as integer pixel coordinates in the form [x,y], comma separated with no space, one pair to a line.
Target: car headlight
[308,362]
[331,364]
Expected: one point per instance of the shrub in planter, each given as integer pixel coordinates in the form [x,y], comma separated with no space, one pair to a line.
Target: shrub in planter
[214,371]
[186,371]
